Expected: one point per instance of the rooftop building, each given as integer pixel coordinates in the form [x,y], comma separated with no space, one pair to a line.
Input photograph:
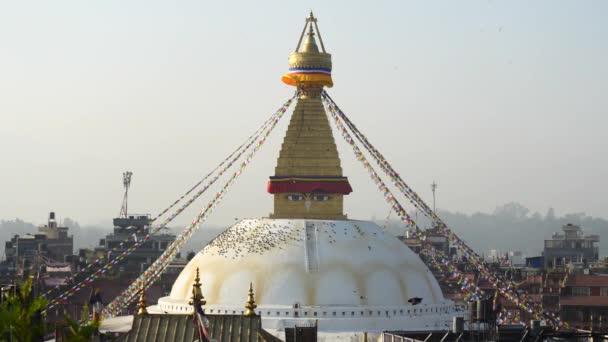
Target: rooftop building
[570,247]
[129,230]
[51,244]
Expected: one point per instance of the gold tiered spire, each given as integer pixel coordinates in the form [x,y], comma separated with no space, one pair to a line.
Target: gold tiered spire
[197,294]
[308,181]
[142,301]
[250,306]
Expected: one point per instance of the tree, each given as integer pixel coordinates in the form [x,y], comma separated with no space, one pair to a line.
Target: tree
[512,211]
[21,315]
[72,224]
[21,318]
[83,330]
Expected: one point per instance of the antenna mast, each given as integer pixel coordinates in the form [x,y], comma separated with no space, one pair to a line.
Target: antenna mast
[126,182]
[433,188]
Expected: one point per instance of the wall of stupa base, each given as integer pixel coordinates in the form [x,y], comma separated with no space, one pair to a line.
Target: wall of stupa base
[331,209]
[340,323]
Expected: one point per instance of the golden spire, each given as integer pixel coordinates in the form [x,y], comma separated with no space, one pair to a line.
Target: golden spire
[250,306]
[142,301]
[308,66]
[310,44]
[308,181]
[197,293]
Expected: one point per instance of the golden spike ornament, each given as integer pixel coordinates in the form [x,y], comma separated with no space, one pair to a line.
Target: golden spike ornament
[250,306]
[197,294]
[141,305]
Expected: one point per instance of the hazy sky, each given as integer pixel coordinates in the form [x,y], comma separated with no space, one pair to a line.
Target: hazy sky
[497,101]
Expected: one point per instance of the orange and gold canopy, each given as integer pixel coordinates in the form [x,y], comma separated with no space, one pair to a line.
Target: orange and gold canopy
[309,66]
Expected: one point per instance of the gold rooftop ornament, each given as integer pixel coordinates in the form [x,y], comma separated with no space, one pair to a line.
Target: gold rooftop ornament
[308,181]
[197,294]
[308,66]
[142,301]
[250,306]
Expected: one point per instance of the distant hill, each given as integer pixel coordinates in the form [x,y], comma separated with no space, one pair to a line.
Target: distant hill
[513,227]
[510,227]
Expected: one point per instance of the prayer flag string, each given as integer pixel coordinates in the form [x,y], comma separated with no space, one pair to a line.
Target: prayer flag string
[150,275]
[505,289]
[230,160]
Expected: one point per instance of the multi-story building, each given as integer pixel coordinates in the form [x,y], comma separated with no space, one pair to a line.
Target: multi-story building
[584,301]
[570,247]
[130,230]
[50,244]
[59,244]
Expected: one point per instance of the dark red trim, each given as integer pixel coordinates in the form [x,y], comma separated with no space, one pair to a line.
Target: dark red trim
[300,187]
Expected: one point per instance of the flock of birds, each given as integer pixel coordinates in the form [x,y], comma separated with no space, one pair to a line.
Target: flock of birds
[258,236]
[253,237]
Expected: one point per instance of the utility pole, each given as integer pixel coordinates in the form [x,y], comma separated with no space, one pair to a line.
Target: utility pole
[433,188]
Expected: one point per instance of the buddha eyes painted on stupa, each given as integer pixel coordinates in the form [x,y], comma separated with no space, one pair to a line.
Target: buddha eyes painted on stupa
[295,197]
[320,197]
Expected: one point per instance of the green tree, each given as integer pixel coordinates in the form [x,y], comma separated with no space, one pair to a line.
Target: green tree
[83,330]
[20,315]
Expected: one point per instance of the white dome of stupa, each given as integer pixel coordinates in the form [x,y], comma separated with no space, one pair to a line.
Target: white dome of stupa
[308,262]
[349,275]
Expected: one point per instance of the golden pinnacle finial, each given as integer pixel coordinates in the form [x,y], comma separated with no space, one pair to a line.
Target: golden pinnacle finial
[142,301]
[250,306]
[197,293]
[309,66]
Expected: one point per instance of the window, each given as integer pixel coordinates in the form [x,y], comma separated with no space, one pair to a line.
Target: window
[580,291]
[603,291]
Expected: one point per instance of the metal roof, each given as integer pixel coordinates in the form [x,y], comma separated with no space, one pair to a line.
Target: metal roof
[181,328]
